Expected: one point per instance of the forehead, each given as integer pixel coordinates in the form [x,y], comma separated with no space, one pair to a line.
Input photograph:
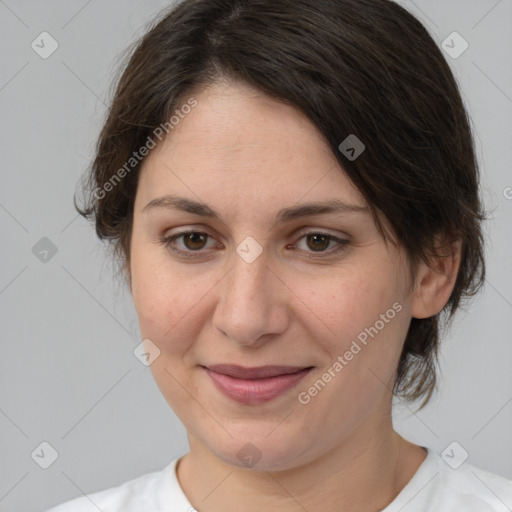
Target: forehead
[240,148]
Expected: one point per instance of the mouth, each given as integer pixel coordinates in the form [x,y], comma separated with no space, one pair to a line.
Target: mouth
[252,386]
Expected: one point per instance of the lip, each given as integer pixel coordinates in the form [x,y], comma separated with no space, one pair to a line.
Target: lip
[255,385]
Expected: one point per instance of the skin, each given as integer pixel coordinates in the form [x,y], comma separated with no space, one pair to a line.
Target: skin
[248,156]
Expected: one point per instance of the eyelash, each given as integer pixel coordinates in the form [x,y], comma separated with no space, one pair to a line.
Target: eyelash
[167,242]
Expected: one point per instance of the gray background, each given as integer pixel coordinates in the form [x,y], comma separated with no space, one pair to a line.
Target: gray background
[68,375]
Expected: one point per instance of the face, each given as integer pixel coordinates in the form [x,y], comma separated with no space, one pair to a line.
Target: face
[276,325]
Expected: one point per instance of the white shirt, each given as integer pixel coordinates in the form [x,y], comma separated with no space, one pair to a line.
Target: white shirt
[435,487]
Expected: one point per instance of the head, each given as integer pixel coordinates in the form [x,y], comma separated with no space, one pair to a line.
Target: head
[244,107]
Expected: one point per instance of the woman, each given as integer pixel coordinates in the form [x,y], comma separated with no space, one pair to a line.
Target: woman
[293,191]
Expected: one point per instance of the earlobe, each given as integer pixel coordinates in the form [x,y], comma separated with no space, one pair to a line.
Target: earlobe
[435,282]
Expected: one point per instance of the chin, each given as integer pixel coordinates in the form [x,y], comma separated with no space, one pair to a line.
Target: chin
[259,451]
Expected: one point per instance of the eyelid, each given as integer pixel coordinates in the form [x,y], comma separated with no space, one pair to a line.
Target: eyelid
[319,231]
[167,241]
[341,243]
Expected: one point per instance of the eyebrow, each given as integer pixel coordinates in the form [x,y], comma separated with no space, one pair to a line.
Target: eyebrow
[285,215]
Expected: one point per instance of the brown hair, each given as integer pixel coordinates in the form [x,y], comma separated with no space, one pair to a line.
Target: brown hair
[363,67]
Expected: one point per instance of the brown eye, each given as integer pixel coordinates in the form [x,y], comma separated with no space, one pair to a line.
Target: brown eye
[188,244]
[194,240]
[318,241]
[323,244]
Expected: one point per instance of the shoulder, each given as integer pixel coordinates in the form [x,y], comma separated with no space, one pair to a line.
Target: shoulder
[442,484]
[470,488]
[142,493]
[476,489]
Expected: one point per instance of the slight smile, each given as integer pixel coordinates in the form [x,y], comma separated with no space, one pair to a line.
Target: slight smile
[253,386]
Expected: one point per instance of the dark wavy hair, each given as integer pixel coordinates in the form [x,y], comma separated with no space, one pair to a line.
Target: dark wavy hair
[364,67]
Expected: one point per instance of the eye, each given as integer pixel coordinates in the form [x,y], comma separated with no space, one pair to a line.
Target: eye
[192,241]
[317,242]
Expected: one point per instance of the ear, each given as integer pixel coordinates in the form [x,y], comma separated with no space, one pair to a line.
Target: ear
[435,281]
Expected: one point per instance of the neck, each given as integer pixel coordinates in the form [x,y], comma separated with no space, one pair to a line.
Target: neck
[365,472]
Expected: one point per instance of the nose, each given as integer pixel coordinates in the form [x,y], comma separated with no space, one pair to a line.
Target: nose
[252,303]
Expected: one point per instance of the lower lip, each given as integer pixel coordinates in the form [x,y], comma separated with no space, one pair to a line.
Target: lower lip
[255,391]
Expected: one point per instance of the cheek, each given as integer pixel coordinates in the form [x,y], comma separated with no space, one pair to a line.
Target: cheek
[350,303]
[364,320]
[367,321]
[164,301]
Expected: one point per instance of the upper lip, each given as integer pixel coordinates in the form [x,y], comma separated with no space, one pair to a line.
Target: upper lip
[260,372]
